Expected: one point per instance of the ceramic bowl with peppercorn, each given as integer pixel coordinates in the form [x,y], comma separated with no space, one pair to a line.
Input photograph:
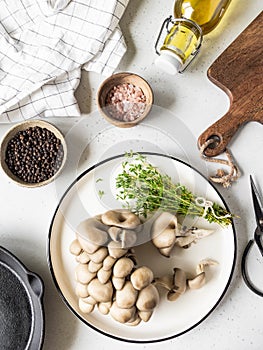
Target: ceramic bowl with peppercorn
[124,99]
[33,153]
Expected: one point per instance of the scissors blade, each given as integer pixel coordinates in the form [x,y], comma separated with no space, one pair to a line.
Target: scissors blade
[257,204]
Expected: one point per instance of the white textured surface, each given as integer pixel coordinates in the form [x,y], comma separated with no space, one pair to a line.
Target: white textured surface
[191,104]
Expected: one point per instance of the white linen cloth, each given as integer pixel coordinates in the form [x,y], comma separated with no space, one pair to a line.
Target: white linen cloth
[43,46]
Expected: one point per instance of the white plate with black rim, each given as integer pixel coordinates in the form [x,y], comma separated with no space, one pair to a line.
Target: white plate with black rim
[170,319]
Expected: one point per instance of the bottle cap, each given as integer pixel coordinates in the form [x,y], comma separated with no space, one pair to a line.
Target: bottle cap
[169,62]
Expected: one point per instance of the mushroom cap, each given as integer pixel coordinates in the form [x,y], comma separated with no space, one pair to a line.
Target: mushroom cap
[114,233]
[115,249]
[81,290]
[87,246]
[98,256]
[148,298]
[118,282]
[123,267]
[104,308]
[99,291]
[163,232]
[141,277]
[89,300]
[83,257]
[86,308]
[75,248]
[145,315]
[134,321]
[164,239]
[108,262]
[197,282]
[83,274]
[104,275]
[127,296]
[166,251]
[94,267]
[121,218]
[93,231]
[122,315]
[179,280]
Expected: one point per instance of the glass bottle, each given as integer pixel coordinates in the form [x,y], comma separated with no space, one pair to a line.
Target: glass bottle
[192,19]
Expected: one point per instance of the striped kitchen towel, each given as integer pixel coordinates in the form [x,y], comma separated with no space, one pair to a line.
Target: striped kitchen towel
[43,46]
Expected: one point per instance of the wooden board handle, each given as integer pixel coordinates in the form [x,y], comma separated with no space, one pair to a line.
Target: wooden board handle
[239,72]
[221,132]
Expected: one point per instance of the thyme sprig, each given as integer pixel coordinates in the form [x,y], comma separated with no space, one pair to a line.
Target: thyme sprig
[144,189]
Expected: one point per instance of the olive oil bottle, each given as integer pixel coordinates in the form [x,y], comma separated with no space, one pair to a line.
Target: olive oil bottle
[192,19]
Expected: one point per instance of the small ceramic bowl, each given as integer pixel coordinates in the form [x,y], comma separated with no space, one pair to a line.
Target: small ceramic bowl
[22,127]
[119,79]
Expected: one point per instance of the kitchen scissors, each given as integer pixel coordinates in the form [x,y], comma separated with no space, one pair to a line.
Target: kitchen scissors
[258,236]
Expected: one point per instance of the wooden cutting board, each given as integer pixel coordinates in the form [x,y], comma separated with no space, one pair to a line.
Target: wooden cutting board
[239,72]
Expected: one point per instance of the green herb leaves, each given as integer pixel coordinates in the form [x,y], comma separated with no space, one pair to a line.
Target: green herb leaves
[145,189]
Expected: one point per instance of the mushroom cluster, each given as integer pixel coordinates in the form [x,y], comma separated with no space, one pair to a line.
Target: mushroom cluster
[177,283]
[107,274]
[166,233]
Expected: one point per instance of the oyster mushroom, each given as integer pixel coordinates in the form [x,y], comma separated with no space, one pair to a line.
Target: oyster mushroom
[148,298]
[83,274]
[123,267]
[134,321]
[122,315]
[166,232]
[145,315]
[92,234]
[121,218]
[104,308]
[104,275]
[89,300]
[187,236]
[127,296]
[108,262]
[83,257]
[99,256]
[116,250]
[141,277]
[163,232]
[81,290]
[127,238]
[94,267]
[99,291]
[179,285]
[175,284]
[199,280]
[118,282]
[114,233]
[86,308]
[75,248]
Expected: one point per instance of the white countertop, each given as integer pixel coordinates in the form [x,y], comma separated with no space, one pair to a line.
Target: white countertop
[189,104]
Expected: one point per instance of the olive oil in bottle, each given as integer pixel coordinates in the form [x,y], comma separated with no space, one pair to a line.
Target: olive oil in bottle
[192,19]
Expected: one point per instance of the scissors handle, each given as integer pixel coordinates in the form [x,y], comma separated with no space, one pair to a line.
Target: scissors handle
[246,278]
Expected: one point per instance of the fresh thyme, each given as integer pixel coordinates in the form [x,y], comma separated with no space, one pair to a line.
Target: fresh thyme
[101,193]
[144,189]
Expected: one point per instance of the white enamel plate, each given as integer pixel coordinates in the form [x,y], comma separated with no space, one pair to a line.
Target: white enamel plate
[93,193]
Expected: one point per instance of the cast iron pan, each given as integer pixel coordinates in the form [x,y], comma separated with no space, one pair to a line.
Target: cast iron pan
[21,308]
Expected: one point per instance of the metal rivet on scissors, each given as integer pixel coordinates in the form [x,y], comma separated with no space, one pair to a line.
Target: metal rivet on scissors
[258,208]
